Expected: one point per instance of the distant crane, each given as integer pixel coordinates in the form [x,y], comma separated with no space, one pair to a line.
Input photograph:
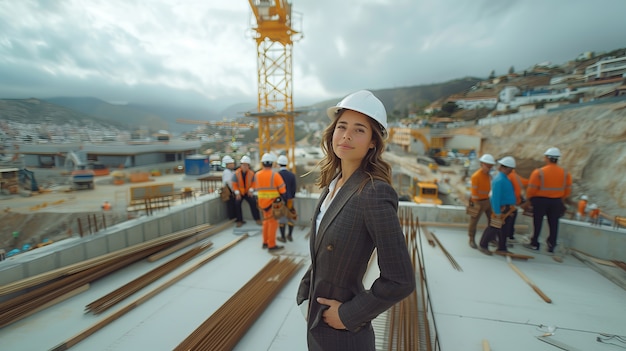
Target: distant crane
[275,35]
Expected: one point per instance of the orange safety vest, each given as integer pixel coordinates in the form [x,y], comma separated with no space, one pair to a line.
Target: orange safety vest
[582,207]
[519,183]
[238,183]
[549,181]
[481,185]
[268,185]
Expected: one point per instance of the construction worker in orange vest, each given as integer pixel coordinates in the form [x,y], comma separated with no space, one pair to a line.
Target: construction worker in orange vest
[548,188]
[244,190]
[519,188]
[594,214]
[581,213]
[479,202]
[270,187]
[106,206]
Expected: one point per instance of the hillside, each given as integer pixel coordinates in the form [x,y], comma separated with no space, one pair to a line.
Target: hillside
[399,102]
[592,140]
[39,112]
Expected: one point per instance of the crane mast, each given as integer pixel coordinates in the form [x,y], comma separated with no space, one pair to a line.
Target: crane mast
[275,34]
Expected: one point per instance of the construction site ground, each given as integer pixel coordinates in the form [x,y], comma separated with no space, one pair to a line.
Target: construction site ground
[53,213]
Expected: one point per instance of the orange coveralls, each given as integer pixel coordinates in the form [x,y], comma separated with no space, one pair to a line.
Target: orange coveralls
[269,185]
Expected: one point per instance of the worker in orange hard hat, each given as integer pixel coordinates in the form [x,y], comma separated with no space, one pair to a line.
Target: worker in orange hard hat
[106,206]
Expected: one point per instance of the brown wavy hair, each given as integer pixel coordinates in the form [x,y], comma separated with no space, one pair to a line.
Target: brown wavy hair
[372,164]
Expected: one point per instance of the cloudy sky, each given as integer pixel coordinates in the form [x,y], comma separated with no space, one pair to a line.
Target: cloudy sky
[200,52]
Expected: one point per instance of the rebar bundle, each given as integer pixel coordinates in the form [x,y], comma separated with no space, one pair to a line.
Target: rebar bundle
[230,322]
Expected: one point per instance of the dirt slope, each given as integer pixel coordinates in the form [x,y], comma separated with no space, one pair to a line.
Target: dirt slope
[592,140]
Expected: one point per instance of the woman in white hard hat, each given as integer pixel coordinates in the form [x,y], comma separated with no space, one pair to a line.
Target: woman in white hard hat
[357,212]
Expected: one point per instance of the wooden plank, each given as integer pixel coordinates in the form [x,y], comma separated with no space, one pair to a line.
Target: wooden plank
[528,281]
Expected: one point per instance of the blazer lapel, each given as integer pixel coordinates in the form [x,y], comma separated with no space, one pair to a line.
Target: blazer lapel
[342,196]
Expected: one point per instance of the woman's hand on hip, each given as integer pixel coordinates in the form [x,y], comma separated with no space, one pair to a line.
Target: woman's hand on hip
[331,315]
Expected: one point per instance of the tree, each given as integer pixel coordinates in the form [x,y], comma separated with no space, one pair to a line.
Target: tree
[492,75]
[511,70]
[449,107]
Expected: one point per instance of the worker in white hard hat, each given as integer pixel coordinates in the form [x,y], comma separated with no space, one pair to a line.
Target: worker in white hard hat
[519,187]
[594,214]
[581,212]
[244,191]
[228,194]
[479,201]
[502,205]
[356,213]
[286,223]
[548,189]
[270,189]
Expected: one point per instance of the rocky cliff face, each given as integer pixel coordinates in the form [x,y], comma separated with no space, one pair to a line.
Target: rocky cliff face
[592,140]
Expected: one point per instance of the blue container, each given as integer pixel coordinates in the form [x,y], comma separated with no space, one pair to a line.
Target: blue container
[197,165]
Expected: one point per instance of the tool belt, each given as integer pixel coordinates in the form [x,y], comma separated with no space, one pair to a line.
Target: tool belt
[498,222]
[473,208]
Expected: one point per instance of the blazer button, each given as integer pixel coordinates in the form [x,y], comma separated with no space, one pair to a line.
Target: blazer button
[330,247]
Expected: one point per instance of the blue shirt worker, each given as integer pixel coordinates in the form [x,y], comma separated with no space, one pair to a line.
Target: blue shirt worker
[290,182]
[502,201]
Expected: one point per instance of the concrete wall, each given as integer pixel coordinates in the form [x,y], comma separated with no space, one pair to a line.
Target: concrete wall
[602,242]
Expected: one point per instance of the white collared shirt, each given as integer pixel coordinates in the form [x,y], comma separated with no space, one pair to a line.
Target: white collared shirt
[326,203]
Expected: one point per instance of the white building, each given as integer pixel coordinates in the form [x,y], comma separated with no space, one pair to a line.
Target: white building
[608,67]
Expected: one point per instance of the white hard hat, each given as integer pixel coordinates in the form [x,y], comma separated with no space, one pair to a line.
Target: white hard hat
[365,102]
[282,160]
[507,161]
[268,157]
[227,159]
[584,197]
[488,159]
[245,159]
[593,206]
[553,152]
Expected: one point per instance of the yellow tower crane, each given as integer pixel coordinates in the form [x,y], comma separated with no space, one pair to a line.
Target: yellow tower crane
[275,34]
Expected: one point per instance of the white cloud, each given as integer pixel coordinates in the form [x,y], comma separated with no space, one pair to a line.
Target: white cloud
[201,52]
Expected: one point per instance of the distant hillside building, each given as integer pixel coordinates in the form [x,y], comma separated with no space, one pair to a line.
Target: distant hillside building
[609,67]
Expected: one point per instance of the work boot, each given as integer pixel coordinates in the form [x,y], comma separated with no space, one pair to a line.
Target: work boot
[282,240]
[472,243]
[531,247]
[275,248]
[485,251]
[289,237]
[264,246]
[239,224]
